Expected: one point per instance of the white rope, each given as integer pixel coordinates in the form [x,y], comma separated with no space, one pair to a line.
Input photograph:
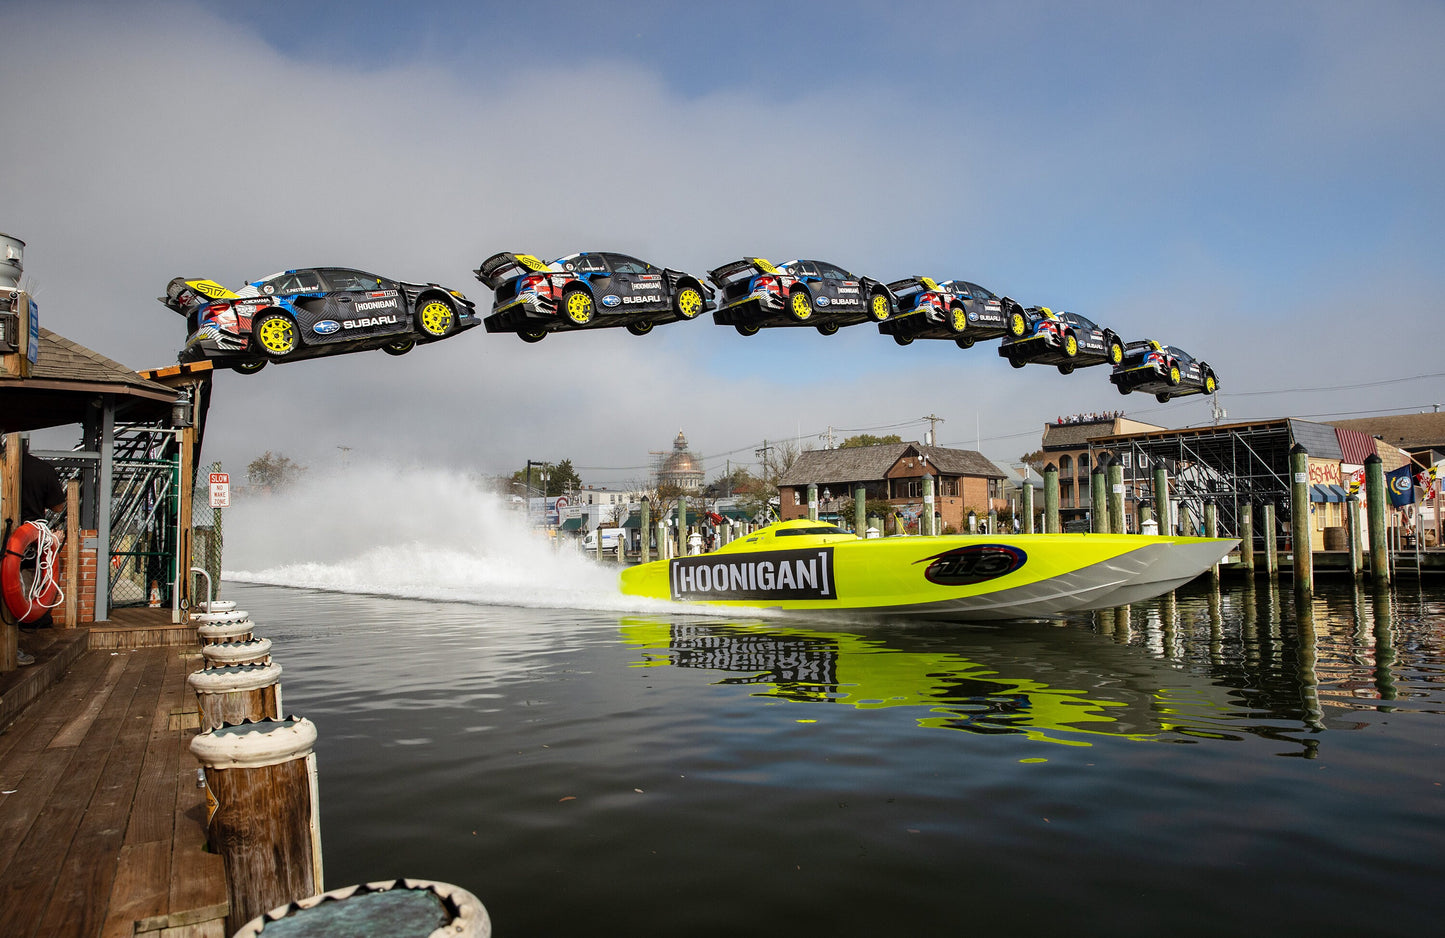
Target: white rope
[47,554]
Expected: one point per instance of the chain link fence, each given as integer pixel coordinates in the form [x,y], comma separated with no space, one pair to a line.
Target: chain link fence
[206,539]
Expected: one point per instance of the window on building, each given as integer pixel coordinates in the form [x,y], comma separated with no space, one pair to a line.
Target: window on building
[948,485]
[797,497]
[1083,464]
[1066,465]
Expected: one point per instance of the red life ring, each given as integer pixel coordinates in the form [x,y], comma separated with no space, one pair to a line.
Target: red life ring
[13,587]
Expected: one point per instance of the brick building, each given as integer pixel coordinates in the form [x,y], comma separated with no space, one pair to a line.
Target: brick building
[1067,443]
[893,472]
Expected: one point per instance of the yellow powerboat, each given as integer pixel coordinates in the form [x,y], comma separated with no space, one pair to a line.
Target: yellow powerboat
[810,565]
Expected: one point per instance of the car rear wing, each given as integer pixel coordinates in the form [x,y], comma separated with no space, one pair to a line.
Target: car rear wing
[183,295]
[499,268]
[1141,344]
[740,270]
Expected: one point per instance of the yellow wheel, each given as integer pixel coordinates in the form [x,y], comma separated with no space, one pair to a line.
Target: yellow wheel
[878,307]
[1116,351]
[688,303]
[1017,324]
[275,333]
[1071,345]
[435,318]
[957,320]
[800,304]
[577,306]
[1174,375]
[1210,385]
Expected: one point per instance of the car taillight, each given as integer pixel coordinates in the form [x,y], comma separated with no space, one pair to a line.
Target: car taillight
[216,308]
[765,283]
[533,281]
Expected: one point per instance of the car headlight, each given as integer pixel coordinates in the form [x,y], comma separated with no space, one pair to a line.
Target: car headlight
[456,294]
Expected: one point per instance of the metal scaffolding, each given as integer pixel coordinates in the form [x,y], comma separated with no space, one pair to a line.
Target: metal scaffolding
[1238,467]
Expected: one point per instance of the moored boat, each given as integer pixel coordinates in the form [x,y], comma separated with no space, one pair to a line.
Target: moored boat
[810,565]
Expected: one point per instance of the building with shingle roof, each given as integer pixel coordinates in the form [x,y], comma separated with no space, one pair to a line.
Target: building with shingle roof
[893,472]
[66,379]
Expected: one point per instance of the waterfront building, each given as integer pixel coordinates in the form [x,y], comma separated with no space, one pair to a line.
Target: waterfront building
[963,480]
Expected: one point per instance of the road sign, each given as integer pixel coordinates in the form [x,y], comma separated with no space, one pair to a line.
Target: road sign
[220,490]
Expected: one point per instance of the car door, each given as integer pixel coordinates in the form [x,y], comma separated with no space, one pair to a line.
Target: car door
[984,308]
[361,305]
[844,292]
[638,283]
[1090,336]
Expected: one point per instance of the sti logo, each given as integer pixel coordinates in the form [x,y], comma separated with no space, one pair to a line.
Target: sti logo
[977,563]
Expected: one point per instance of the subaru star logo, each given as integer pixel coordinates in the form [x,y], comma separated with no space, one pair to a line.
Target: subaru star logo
[611,300]
[326,327]
[822,301]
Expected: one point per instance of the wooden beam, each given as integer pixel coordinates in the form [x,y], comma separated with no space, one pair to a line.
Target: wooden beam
[10,462]
[72,553]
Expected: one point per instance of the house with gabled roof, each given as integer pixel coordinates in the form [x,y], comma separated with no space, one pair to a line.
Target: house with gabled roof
[894,472]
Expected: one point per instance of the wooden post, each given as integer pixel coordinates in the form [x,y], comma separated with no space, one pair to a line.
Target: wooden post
[1211,529]
[1051,499]
[1115,472]
[812,501]
[1146,516]
[1161,500]
[235,695]
[860,510]
[265,826]
[993,521]
[926,525]
[1299,519]
[10,462]
[72,554]
[1246,538]
[681,526]
[645,527]
[1375,501]
[1026,503]
[1271,541]
[1352,525]
[1098,501]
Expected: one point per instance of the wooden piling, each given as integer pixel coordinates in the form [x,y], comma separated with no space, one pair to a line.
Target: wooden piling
[1271,541]
[1375,501]
[812,501]
[1299,519]
[993,521]
[860,510]
[1051,499]
[235,695]
[1098,501]
[1246,539]
[926,526]
[645,527]
[1161,500]
[1352,525]
[1026,505]
[261,782]
[1115,473]
[1211,529]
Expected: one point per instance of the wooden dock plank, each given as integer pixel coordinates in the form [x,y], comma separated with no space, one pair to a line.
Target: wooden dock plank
[142,887]
[153,816]
[87,876]
[35,728]
[28,882]
[74,730]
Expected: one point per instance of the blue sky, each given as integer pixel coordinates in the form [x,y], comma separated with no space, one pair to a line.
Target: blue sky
[1257,183]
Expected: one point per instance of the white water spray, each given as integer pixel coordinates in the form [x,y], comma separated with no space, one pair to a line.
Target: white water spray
[417,533]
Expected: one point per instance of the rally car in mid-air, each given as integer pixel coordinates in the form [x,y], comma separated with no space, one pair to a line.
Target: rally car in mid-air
[593,289]
[310,312]
[757,295]
[1162,370]
[1066,340]
[953,309]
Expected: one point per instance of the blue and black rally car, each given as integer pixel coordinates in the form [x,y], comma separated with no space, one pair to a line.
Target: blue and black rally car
[310,312]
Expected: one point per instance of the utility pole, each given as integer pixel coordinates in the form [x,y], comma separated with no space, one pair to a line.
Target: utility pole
[933,421]
[827,436]
[762,454]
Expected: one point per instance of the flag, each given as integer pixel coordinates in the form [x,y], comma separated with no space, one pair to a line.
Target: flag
[1401,486]
[1357,481]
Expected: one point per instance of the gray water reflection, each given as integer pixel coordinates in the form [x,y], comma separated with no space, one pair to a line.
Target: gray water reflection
[1114,774]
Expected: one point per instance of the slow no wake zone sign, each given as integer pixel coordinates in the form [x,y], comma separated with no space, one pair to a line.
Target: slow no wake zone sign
[767,575]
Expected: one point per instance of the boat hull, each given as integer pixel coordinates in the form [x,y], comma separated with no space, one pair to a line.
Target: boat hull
[954,577]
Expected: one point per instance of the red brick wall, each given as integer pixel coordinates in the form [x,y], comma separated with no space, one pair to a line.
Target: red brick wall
[85,607]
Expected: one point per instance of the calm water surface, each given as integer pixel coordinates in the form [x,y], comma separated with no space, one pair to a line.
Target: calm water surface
[1206,766]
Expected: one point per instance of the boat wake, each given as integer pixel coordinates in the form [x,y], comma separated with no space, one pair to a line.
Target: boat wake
[415,533]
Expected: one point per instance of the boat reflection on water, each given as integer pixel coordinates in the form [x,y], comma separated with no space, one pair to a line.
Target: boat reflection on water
[1198,666]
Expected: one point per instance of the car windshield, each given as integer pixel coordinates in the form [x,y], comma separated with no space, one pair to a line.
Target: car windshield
[345,279]
[1081,320]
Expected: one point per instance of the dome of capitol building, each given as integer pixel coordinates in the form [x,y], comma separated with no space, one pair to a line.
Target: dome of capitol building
[681,468]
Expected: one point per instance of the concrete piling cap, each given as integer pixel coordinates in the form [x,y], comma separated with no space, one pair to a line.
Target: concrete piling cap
[402,908]
[236,677]
[222,618]
[255,745]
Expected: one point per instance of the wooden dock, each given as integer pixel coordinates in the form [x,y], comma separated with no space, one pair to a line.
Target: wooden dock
[102,824]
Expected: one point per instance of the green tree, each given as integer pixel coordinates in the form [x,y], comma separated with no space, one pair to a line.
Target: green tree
[549,478]
[868,439]
[273,471]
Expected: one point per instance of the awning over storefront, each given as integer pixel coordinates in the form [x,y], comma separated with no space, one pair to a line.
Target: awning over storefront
[633,522]
[1327,493]
[572,524]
